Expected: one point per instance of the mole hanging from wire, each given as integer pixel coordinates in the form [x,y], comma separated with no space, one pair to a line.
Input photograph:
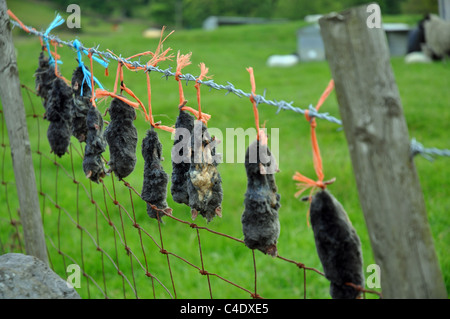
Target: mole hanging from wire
[204,183]
[337,243]
[181,150]
[81,105]
[82,92]
[195,179]
[59,114]
[59,108]
[260,223]
[121,136]
[181,157]
[93,165]
[154,188]
[45,73]
[120,133]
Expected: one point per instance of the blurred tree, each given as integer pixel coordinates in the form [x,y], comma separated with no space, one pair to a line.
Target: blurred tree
[192,13]
[163,11]
[420,6]
[390,6]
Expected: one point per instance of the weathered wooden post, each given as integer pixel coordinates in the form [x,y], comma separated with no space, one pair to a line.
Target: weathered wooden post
[14,111]
[379,144]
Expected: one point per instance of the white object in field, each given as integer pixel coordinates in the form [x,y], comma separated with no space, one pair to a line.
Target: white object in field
[282,60]
[417,57]
[151,33]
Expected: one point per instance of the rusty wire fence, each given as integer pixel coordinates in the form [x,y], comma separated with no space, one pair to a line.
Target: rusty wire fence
[104,230]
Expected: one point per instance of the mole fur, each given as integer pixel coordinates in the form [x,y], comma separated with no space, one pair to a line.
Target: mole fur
[81,104]
[337,244]
[260,223]
[59,114]
[121,136]
[180,171]
[205,183]
[45,75]
[93,165]
[154,188]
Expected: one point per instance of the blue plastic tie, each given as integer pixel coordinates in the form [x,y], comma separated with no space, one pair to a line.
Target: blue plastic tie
[86,74]
[55,23]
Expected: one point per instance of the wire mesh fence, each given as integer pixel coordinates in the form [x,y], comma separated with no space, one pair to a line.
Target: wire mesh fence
[104,232]
[120,254]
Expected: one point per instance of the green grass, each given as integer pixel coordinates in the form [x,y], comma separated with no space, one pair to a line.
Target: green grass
[227,51]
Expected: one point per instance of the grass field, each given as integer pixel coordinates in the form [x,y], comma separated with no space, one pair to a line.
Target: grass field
[227,51]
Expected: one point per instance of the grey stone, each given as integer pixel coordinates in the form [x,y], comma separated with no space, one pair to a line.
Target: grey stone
[27,277]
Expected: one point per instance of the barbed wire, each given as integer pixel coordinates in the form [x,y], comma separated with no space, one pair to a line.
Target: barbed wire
[229,87]
[416,147]
[428,153]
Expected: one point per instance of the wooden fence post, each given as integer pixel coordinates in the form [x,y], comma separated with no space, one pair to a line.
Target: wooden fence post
[14,111]
[388,185]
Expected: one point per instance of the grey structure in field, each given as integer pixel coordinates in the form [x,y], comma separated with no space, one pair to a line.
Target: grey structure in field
[213,22]
[444,9]
[397,37]
[310,45]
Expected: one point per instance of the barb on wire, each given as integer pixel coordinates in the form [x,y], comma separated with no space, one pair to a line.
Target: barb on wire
[428,153]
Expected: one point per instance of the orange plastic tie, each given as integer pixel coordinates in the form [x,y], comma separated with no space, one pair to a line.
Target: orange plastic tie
[305,182]
[169,129]
[183,60]
[317,159]
[92,79]
[13,16]
[203,71]
[303,185]
[149,97]
[158,55]
[129,66]
[99,93]
[252,99]
[262,137]
[56,56]
[119,68]
[123,87]
[325,94]
[141,54]
[24,27]
[204,117]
